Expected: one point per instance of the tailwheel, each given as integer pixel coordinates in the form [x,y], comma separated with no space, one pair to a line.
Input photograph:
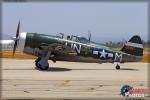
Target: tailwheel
[117,67]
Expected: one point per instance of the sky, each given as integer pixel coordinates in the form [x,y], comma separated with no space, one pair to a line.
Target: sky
[107,21]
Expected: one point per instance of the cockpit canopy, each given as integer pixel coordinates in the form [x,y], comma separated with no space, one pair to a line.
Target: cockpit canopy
[74,38]
[80,39]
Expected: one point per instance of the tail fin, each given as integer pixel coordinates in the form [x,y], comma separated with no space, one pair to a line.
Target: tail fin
[134,46]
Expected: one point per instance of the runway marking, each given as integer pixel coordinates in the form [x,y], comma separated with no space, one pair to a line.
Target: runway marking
[65,82]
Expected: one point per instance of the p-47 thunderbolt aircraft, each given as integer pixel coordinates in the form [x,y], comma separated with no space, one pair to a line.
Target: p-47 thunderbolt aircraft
[74,48]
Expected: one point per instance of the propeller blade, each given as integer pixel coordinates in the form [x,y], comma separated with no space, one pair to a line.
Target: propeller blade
[16,38]
[18,29]
[15,46]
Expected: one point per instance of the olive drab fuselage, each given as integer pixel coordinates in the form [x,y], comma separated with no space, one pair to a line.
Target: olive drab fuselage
[70,50]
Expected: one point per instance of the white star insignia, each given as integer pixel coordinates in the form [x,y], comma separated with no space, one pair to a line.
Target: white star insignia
[103,54]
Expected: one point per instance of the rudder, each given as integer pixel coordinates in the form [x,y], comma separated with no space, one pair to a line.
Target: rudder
[134,46]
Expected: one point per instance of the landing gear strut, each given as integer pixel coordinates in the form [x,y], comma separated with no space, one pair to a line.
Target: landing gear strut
[36,61]
[117,67]
[117,60]
[42,62]
[40,66]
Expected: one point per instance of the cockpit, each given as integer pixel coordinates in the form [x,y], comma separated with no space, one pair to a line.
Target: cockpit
[80,39]
[74,38]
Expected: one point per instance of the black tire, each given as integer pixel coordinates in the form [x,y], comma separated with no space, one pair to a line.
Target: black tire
[36,63]
[39,66]
[117,67]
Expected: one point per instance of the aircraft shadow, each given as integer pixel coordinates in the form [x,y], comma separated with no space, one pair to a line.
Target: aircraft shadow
[131,69]
[59,69]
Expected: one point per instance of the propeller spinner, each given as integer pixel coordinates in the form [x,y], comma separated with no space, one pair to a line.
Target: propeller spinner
[16,38]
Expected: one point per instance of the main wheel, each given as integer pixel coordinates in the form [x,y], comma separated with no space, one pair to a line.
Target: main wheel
[117,67]
[39,66]
[36,63]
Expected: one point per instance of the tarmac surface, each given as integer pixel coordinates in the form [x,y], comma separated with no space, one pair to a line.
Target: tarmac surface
[69,80]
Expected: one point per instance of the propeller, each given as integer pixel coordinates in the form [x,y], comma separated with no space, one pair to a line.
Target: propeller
[16,38]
